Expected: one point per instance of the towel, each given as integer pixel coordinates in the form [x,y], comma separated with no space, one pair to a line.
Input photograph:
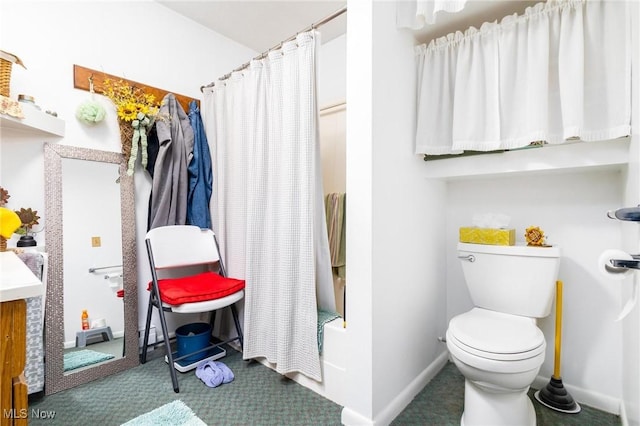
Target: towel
[335,204]
[323,318]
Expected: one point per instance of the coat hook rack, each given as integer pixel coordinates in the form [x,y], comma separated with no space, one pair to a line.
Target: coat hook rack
[85,78]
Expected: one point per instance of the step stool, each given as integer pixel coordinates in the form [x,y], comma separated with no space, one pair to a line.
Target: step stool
[81,336]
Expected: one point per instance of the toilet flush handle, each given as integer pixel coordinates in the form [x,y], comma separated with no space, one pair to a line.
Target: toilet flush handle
[469,257]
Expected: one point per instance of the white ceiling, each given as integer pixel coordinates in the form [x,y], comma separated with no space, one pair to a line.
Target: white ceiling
[263,24]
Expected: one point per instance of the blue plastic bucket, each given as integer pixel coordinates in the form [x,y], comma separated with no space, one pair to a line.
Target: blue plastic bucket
[193,337]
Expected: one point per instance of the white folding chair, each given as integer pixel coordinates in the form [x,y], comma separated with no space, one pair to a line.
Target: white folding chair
[174,253]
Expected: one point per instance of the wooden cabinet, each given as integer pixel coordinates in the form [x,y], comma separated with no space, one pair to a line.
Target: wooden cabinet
[17,283]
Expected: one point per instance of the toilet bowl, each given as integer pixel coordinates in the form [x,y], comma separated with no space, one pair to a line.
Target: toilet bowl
[497,345]
[500,356]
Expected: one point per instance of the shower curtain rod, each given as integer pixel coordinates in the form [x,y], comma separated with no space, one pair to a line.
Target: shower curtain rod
[279,45]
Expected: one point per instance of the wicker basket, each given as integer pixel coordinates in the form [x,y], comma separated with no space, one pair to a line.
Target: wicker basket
[5,77]
[6,62]
[126,135]
[3,244]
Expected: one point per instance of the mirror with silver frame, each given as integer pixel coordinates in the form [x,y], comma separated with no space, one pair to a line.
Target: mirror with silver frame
[90,238]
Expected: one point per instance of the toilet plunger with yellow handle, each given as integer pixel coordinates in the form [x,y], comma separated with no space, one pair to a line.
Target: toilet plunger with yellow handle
[554,395]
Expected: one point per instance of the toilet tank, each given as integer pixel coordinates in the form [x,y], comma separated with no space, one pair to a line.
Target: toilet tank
[518,280]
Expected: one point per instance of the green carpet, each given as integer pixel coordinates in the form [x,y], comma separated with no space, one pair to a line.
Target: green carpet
[82,358]
[258,396]
[441,403]
[175,413]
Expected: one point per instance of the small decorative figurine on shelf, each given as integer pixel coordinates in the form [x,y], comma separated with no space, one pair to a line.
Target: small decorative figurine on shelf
[28,218]
[535,236]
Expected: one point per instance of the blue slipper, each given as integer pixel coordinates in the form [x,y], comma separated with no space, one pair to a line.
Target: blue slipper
[210,374]
[226,372]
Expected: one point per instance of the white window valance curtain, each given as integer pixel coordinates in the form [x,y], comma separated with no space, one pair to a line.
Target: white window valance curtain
[561,71]
[415,14]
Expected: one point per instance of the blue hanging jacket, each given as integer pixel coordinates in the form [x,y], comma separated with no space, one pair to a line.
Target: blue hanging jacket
[200,173]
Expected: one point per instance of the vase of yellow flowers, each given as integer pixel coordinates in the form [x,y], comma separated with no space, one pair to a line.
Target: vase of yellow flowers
[9,220]
[136,112]
[20,222]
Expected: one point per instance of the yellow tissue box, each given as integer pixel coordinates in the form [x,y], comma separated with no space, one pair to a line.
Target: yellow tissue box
[493,236]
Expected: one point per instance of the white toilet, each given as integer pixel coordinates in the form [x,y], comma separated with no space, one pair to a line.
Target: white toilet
[497,345]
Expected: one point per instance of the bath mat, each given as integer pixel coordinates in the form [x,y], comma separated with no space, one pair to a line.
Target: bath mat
[175,413]
[84,357]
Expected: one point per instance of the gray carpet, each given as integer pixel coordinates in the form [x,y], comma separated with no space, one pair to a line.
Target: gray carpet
[441,403]
[257,396]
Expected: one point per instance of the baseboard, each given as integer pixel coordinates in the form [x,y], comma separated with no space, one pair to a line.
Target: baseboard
[399,403]
[587,397]
[350,417]
[624,420]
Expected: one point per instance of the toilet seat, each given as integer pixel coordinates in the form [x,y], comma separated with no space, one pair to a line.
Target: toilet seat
[496,336]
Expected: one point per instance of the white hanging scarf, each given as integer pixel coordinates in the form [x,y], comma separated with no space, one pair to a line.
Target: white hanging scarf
[561,71]
[267,202]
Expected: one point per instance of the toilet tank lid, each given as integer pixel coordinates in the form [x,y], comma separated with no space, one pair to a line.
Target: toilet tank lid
[517,250]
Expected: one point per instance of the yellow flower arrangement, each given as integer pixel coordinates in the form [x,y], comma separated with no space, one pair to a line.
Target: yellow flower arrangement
[129,100]
[136,111]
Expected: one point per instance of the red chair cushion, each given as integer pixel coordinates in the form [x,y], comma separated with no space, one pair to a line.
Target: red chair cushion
[197,288]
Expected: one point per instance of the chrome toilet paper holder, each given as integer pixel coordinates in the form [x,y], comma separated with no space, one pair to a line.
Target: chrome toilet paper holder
[627,213]
[621,265]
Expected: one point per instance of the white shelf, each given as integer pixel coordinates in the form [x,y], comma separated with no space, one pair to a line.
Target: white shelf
[577,156]
[35,122]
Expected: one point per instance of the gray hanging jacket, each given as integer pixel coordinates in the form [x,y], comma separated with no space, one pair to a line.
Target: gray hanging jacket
[170,187]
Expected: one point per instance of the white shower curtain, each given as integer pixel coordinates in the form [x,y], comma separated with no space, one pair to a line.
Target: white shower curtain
[267,202]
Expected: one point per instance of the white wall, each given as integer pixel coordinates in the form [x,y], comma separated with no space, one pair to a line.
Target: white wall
[139,40]
[332,92]
[359,405]
[408,267]
[395,226]
[332,75]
